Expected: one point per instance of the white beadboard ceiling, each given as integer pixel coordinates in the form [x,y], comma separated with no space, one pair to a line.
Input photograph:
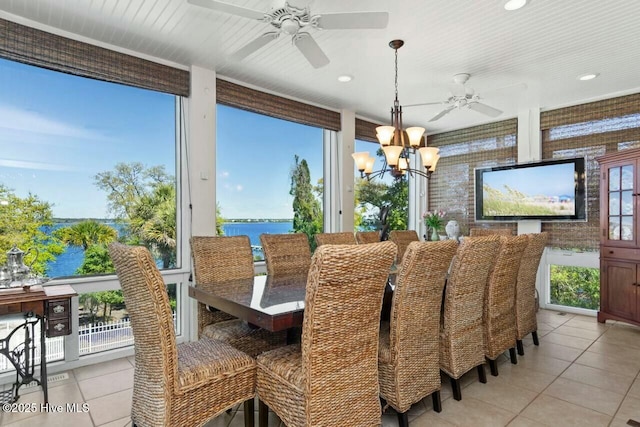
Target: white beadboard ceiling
[544,46]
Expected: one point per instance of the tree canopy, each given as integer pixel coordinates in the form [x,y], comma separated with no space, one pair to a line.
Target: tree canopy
[23,221]
[307,211]
[145,199]
[87,233]
[372,196]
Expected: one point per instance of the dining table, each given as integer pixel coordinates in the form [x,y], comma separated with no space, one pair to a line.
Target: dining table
[275,303]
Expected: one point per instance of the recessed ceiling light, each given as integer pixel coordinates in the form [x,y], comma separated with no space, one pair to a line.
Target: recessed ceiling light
[589,76]
[345,78]
[514,4]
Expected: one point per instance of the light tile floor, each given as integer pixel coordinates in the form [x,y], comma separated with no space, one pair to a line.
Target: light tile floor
[582,374]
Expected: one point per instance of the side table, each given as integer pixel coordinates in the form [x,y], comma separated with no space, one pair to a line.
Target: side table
[48,306]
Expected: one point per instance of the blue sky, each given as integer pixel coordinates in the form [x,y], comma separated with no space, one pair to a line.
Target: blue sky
[57,131]
[550,180]
[254,156]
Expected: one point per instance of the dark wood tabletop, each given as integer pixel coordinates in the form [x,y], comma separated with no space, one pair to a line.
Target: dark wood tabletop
[272,303]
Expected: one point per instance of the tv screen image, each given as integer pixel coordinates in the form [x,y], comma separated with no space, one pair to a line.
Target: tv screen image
[552,190]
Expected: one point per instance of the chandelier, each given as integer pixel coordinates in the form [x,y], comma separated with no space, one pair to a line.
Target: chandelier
[398,143]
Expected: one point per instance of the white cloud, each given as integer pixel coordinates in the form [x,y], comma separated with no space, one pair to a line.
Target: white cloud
[239,187]
[33,165]
[16,119]
[224,174]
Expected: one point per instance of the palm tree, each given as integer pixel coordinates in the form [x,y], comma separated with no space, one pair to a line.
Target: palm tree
[154,222]
[87,233]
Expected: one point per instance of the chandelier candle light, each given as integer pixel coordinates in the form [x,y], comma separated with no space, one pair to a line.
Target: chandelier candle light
[397,143]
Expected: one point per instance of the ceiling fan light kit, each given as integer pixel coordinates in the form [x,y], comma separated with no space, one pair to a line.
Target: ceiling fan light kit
[514,4]
[296,23]
[588,76]
[398,143]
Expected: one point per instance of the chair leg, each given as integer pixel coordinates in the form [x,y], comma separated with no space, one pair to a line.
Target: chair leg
[512,355]
[455,387]
[249,415]
[493,366]
[437,403]
[534,335]
[482,375]
[403,419]
[263,414]
[520,347]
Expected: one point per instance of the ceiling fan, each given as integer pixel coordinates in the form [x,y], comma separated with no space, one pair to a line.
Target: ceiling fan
[296,22]
[461,97]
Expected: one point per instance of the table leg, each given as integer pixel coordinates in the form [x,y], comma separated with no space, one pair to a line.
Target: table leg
[43,362]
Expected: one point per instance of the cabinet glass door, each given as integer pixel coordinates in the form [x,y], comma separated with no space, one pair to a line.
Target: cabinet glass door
[621,203]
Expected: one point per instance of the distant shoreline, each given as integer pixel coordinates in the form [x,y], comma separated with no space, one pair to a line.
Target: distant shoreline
[226,220]
[258,220]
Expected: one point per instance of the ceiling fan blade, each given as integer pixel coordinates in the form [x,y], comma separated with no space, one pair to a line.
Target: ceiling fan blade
[310,50]
[351,20]
[484,109]
[442,113]
[228,8]
[254,45]
[423,103]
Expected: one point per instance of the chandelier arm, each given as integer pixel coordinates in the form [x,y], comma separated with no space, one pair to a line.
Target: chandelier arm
[380,173]
[412,171]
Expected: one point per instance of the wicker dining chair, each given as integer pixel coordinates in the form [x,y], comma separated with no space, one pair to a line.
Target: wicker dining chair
[331,378]
[220,259]
[526,322]
[402,238]
[176,384]
[286,254]
[409,349]
[343,238]
[499,301]
[478,232]
[461,336]
[364,237]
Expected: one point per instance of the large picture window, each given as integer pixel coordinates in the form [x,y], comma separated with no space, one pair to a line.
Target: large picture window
[84,163]
[269,176]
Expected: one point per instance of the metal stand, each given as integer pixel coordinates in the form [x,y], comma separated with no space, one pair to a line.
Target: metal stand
[22,357]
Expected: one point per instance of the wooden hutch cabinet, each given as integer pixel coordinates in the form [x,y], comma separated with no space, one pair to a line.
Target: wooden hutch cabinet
[619,236]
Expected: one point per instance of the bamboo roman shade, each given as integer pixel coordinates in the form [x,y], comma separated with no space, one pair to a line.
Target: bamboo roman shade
[366,131]
[451,187]
[235,95]
[588,130]
[40,48]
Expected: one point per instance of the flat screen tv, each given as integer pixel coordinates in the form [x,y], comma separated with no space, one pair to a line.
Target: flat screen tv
[550,190]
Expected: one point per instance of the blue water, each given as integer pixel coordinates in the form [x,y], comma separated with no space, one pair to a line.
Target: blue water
[255,229]
[68,262]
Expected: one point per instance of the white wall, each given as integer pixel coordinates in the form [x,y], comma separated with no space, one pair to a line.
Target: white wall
[201,147]
[346,181]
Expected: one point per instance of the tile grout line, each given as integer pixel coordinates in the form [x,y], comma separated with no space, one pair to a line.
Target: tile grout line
[557,376]
[572,363]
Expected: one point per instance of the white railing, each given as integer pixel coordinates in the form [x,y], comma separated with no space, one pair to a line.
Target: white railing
[93,338]
[55,349]
[104,336]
